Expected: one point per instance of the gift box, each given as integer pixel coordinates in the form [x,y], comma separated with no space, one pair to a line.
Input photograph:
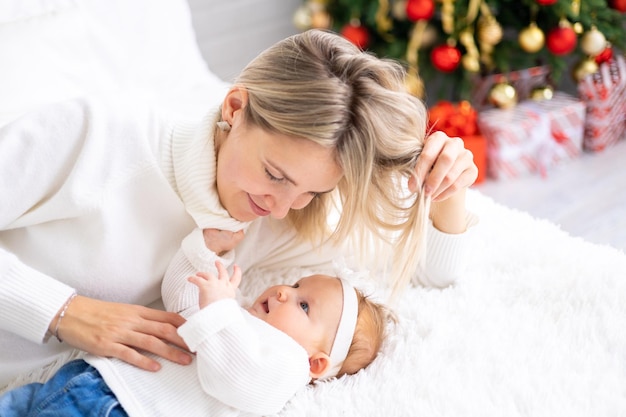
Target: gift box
[459,120]
[478,145]
[523,81]
[533,136]
[604,93]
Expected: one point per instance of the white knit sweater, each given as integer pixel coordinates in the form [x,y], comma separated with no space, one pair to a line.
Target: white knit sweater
[243,366]
[96,196]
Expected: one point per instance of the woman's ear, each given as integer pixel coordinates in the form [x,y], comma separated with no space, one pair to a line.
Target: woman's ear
[236,99]
[319,363]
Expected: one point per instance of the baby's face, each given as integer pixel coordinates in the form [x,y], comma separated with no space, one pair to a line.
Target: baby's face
[308,311]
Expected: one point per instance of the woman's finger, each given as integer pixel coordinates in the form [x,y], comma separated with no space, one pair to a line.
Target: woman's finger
[110,329]
[429,155]
[443,171]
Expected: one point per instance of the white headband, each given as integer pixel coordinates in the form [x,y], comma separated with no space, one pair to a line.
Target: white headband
[345,331]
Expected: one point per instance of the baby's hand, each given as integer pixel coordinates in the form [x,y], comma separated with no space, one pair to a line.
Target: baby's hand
[214,288]
[221,241]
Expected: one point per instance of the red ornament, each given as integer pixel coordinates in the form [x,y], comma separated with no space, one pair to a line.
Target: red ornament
[561,40]
[357,34]
[619,5]
[445,58]
[604,56]
[546,2]
[420,9]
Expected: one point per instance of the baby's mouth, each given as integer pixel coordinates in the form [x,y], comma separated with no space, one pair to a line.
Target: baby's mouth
[265,306]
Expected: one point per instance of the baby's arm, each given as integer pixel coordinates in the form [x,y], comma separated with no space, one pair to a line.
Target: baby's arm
[214,288]
[237,354]
[195,255]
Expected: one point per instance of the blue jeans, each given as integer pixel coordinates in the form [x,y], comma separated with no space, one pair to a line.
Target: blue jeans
[77,389]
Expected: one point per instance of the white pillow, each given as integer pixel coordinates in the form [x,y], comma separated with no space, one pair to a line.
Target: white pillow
[146,48]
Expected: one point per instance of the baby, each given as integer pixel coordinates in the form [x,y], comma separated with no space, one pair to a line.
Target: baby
[248,360]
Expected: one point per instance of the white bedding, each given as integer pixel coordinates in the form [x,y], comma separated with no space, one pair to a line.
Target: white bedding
[537,327]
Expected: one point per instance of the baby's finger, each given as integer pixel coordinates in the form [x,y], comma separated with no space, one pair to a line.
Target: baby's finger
[235,280]
[222,272]
[197,280]
[206,275]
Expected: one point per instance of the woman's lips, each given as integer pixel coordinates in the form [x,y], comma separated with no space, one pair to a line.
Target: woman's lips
[256,209]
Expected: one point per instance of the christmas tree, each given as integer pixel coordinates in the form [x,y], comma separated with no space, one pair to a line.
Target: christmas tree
[455,42]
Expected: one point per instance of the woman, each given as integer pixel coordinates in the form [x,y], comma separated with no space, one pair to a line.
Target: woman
[102,194]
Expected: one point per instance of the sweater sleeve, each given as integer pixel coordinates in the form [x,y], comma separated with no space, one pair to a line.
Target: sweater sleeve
[55,163]
[447,256]
[242,361]
[37,153]
[179,295]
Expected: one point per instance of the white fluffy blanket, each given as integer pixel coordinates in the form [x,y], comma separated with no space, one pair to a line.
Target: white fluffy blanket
[537,327]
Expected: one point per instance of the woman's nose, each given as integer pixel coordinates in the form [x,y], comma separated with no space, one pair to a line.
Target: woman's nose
[280,209]
[279,205]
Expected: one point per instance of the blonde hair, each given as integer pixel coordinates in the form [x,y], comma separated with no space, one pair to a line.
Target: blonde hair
[319,86]
[368,336]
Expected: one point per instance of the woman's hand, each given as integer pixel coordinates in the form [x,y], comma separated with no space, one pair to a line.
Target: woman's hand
[221,241]
[444,167]
[123,331]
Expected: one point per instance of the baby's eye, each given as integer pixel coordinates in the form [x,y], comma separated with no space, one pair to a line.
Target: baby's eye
[304,306]
[296,285]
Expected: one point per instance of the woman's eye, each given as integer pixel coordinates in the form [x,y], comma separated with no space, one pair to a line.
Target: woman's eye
[272,177]
[304,306]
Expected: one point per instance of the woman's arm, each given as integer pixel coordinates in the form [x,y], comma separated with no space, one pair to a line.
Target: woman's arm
[446,169]
[38,157]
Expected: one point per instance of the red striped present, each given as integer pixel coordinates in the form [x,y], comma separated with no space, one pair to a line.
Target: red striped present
[533,136]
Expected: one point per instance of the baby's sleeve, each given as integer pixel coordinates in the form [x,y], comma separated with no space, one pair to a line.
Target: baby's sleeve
[179,295]
[243,361]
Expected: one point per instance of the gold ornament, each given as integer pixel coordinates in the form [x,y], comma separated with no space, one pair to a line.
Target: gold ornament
[470,63]
[429,36]
[503,95]
[578,28]
[302,18]
[593,42]
[489,30]
[320,19]
[585,67]
[383,22]
[542,93]
[398,9]
[447,16]
[414,83]
[470,60]
[531,39]
[489,34]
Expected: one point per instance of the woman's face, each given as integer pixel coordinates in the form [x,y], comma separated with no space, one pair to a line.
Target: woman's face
[261,173]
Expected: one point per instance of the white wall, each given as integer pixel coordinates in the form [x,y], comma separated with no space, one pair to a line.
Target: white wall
[232,32]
